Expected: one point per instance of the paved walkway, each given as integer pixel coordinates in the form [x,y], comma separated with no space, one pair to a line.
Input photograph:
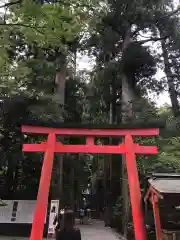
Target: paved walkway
[95,231]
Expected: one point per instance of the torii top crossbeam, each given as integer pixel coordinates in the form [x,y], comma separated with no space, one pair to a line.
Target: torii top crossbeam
[51,146]
[90,134]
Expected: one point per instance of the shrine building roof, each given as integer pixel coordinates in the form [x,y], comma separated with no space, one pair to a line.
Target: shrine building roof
[168,184]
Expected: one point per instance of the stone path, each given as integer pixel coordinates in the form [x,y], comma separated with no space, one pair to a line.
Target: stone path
[95,231]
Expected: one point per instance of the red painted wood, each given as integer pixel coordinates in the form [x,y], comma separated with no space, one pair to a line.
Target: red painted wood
[151,191]
[157,221]
[60,148]
[134,188]
[43,192]
[34,147]
[90,141]
[51,146]
[156,193]
[91,132]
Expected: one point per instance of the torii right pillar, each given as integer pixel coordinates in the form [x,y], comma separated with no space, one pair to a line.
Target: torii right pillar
[134,189]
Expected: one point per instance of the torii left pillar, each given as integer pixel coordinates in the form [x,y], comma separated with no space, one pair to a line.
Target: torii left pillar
[43,193]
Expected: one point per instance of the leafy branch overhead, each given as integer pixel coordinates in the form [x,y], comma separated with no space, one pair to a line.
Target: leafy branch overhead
[9,4]
[47,24]
[151,18]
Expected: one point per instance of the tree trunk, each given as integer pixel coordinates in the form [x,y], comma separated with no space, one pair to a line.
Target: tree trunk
[10,176]
[127,97]
[124,180]
[59,99]
[72,182]
[171,88]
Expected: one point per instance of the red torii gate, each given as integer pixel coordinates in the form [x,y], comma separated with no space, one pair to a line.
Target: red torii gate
[51,146]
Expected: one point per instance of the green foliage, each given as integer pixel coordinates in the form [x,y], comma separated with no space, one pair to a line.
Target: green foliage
[13,111]
[168,158]
[33,36]
[118,208]
[140,67]
[50,24]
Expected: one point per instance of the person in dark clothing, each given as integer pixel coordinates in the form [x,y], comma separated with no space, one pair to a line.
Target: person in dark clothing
[69,232]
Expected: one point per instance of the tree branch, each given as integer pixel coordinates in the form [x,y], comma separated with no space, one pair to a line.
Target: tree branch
[173,12]
[6,5]
[151,40]
[21,25]
[136,31]
[143,41]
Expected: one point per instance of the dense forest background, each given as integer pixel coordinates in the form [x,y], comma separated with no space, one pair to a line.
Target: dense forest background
[128,41]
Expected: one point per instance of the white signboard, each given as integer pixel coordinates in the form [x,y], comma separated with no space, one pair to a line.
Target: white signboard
[6,212]
[53,212]
[17,211]
[25,211]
